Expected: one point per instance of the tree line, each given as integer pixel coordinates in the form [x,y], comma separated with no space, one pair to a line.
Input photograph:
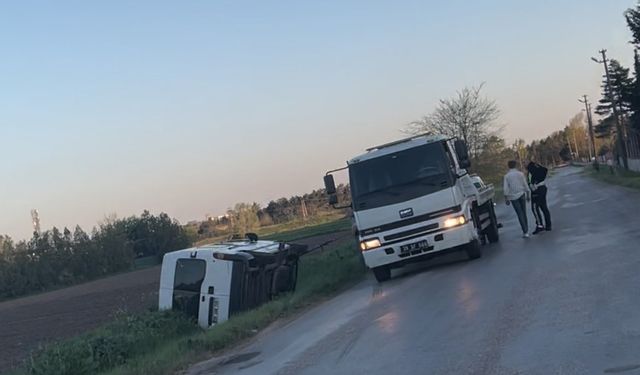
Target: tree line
[247,217]
[621,96]
[58,258]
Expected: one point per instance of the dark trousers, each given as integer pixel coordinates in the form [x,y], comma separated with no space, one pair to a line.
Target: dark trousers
[520,206]
[540,208]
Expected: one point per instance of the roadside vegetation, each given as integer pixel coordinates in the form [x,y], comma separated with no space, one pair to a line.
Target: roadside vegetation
[295,230]
[277,216]
[616,176]
[327,227]
[165,342]
[54,258]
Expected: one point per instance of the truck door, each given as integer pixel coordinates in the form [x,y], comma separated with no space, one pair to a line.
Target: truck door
[214,293]
[187,286]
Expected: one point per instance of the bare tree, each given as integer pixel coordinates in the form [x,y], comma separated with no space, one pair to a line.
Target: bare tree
[468,116]
[520,150]
[576,135]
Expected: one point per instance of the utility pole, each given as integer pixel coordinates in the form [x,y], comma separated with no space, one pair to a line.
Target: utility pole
[303,207]
[587,108]
[622,149]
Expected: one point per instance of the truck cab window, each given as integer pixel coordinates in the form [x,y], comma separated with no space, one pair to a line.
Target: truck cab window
[400,176]
[187,283]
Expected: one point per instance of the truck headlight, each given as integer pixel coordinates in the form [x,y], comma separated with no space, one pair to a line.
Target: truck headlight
[369,244]
[454,221]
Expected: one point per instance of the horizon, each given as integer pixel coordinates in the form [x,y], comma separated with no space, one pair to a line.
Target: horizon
[118,107]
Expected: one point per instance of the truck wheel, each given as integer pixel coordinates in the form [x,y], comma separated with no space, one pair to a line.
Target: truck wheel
[492,231]
[282,281]
[382,273]
[473,249]
[476,219]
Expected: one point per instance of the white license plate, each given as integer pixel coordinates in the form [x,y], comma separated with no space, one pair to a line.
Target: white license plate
[414,246]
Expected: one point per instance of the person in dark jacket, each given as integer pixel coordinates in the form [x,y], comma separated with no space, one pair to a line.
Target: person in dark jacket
[537,176]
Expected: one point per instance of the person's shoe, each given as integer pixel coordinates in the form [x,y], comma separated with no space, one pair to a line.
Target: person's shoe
[538,230]
[526,235]
[548,229]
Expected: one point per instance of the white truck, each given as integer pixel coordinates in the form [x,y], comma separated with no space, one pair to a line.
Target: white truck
[414,199]
[212,282]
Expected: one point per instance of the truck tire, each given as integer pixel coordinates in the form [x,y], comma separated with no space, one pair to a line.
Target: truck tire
[281,280]
[473,249]
[382,273]
[475,216]
[492,230]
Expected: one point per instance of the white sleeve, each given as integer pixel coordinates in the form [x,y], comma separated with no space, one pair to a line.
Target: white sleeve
[505,186]
[524,183]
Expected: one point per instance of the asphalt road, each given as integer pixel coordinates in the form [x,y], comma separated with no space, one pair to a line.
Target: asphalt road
[563,302]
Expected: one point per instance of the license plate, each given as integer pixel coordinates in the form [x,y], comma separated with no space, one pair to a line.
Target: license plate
[414,246]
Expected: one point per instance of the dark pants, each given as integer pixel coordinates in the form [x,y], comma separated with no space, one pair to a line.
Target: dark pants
[520,206]
[539,207]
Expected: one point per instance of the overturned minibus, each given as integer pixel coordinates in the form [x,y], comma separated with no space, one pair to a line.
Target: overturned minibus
[213,282]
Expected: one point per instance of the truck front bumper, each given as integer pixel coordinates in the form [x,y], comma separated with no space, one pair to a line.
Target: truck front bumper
[437,242]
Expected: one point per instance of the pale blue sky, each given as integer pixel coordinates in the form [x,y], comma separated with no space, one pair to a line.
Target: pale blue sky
[188,107]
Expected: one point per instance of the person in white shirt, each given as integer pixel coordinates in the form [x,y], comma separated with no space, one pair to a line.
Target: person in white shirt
[516,193]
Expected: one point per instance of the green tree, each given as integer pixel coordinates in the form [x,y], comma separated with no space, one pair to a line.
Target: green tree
[619,92]
[244,217]
[634,119]
[492,161]
[632,15]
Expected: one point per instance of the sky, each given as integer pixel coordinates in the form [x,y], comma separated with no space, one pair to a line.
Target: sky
[189,107]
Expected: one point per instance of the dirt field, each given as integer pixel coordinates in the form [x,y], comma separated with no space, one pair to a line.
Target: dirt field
[28,322]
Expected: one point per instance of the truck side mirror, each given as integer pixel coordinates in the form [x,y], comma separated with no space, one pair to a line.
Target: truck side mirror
[330,187]
[329,184]
[462,152]
[333,199]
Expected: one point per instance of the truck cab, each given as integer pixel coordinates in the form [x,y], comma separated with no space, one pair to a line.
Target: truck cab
[213,282]
[414,199]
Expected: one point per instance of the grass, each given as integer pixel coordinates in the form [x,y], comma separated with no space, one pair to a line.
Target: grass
[295,230]
[615,176]
[164,342]
[311,230]
[145,262]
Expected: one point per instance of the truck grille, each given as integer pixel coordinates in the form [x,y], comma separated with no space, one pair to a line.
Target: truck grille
[410,221]
[411,232]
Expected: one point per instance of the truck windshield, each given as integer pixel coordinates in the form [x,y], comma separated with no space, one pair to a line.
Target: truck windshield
[400,176]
